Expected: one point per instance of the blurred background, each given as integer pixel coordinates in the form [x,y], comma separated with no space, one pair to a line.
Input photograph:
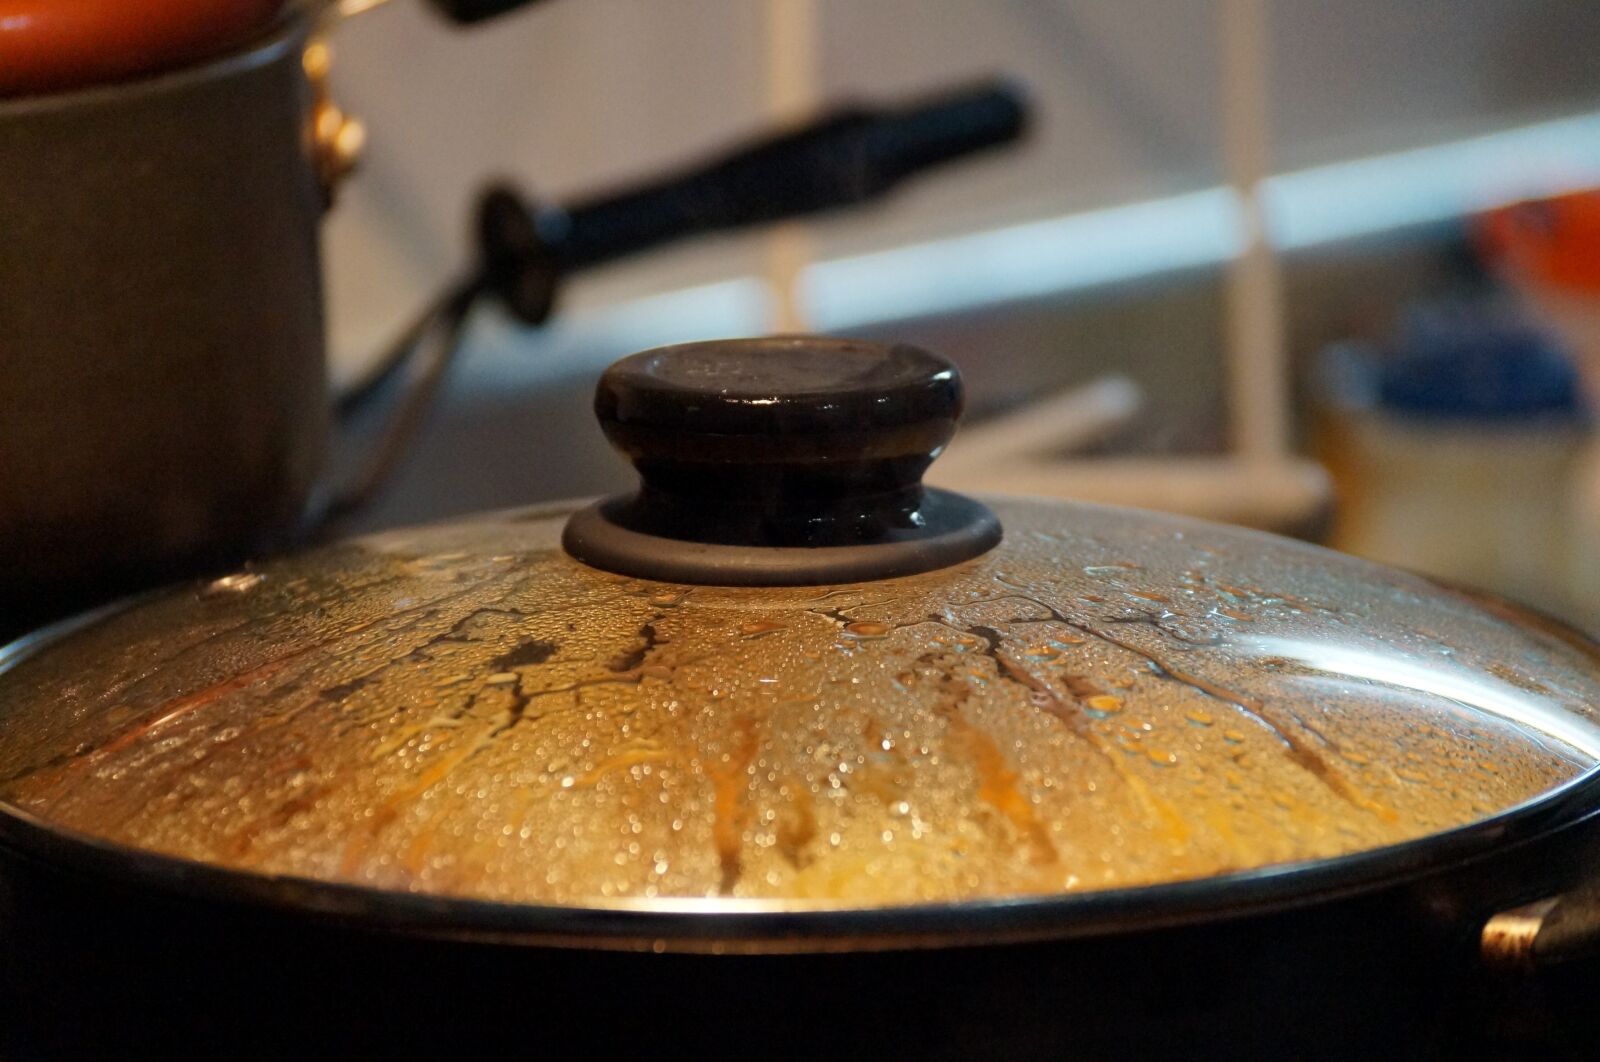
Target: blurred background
[1325,269]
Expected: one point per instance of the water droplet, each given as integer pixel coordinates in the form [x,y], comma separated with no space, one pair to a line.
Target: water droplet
[1115,568]
[866,629]
[1105,704]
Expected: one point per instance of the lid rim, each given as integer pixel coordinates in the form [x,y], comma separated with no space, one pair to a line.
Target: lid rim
[673,925]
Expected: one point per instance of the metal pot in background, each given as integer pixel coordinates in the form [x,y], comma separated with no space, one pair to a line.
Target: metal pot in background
[160,324]
[163,175]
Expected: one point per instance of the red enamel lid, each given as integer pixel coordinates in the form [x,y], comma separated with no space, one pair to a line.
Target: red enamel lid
[53,45]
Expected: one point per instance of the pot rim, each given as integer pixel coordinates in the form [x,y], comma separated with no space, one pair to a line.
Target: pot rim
[726,925]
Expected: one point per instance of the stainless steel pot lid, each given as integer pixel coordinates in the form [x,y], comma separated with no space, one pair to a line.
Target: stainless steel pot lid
[1104,699]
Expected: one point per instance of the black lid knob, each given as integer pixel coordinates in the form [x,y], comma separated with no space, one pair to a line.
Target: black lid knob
[780,460]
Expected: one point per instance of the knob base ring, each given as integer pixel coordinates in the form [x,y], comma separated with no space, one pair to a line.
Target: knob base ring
[955,528]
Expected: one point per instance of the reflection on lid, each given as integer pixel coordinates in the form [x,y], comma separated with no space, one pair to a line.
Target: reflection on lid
[1483,692]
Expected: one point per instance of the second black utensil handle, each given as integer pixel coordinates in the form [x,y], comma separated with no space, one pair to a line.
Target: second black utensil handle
[848,156]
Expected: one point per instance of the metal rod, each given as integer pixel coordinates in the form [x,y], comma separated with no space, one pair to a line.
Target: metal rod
[1258,387]
[790,50]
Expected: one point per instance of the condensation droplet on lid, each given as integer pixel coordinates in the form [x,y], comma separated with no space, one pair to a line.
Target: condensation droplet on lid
[1105,704]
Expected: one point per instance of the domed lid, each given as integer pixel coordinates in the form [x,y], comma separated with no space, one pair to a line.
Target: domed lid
[1104,699]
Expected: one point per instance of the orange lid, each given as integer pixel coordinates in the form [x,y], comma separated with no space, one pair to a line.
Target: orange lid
[51,45]
[1552,242]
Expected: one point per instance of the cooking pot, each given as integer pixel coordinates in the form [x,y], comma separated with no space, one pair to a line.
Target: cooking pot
[166,167]
[161,316]
[785,754]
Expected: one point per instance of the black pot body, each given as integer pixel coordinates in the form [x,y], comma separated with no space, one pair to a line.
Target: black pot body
[163,402]
[98,967]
